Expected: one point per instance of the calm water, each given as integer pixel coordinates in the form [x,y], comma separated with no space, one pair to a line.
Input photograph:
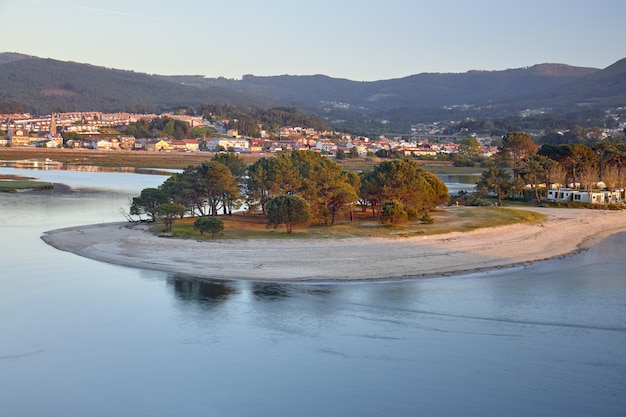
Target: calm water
[83,338]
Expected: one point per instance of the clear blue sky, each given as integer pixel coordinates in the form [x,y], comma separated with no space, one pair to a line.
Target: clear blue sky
[360,40]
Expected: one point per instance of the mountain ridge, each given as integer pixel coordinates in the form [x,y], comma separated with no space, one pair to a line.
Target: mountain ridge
[43,85]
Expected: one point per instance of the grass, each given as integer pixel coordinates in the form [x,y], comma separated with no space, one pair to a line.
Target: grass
[14,183]
[454,219]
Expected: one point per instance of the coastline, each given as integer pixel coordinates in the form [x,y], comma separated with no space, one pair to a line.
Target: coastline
[565,232]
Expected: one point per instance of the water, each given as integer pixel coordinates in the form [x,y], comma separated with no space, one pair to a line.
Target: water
[84,338]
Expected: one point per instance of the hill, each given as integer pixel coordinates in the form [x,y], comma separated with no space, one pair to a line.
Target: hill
[43,85]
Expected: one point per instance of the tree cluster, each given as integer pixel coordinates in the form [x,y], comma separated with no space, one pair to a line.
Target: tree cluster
[292,188]
[404,182]
[250,120]
[539,168]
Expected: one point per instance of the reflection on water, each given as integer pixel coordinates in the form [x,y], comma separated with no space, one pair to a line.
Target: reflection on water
[46,164]
[207,293]
[80,337]
[459,182]
[270,291]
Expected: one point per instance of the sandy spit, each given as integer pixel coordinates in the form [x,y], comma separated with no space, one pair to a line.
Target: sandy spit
[565,232]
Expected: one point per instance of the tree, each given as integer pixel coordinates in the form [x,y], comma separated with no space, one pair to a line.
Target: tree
[290,210]
[393,213]
[555,175]
[535,173]
[211,183]
[147,201]
[519,146]
[588,178]
[469,148]
[167,213]
[611,178]
[495,180]
[271,177]
[211,224]
[234,163]
[325,185]
[404,181]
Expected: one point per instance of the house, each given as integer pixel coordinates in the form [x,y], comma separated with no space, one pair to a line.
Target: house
[53,141]
[185,145]
[585,197]
[157,145]
[18,137]
[126,142]
[236,145]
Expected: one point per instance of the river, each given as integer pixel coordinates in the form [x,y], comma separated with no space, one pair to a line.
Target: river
[84,338]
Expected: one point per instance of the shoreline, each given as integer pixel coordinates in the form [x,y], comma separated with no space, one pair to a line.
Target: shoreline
[564,233]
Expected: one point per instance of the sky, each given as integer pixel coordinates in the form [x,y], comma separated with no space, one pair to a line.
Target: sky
[360,40]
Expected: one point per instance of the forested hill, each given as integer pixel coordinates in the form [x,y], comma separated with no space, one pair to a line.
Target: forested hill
[421,90]
[46,85]
[42,85]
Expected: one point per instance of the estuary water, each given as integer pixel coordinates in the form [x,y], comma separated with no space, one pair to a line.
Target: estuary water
[84,338]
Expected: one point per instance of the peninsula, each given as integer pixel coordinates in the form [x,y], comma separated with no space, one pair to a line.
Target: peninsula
[566,231]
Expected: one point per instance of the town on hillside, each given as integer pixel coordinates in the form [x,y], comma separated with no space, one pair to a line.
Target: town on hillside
[88,133]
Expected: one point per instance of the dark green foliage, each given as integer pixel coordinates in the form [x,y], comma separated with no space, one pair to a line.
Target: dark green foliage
[289,210]
[209,224]
[42,85]
[495,180]
[393,213]
[235,163]
[147,201]
[247,119]
[45,85]
[167,213]
[404,181]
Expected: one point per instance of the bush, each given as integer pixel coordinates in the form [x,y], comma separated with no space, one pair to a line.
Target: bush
[209,224]
[412,214]
[393,213]
[427,218]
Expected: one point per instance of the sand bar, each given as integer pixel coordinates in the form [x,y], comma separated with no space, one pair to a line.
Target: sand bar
[566,231]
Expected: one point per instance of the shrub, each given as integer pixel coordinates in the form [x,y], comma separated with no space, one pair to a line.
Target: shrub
[209,224]
[427,218]
[393,213]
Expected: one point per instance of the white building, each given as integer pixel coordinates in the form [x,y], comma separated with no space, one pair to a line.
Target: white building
[237,145]
[589,197]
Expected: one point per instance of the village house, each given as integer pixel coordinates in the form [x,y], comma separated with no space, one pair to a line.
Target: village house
[588,197]
[152,145]
[19,137]
[185,145]
[52,141]
[126,142]
[225,144]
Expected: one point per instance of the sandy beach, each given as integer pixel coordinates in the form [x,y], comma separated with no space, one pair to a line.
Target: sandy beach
[566,231]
